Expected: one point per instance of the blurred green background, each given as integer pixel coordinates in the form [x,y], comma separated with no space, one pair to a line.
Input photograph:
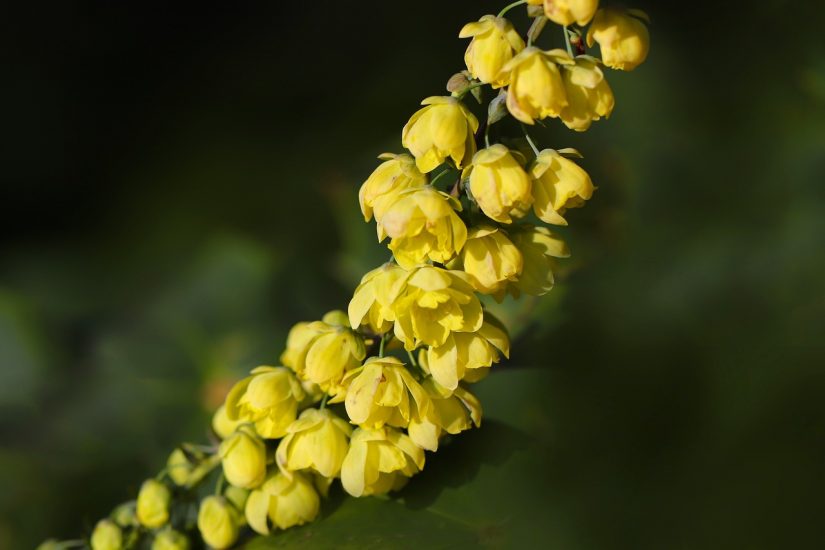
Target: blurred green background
[180,187]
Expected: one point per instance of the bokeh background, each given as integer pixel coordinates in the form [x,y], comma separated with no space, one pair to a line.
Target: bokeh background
[180,187]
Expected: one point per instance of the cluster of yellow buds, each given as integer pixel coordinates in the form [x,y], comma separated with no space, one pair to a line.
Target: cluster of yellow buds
[361,395]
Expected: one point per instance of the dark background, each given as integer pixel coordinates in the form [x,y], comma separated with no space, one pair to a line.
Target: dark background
[180,187]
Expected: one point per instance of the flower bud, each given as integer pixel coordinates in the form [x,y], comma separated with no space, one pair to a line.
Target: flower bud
[396,173]
[243,456]
[365,308]
[282,501]
[623,38]
[536,88]
[494,43]
[218,522]
[169,539]
[179,467]
[567,12]
[539,248]
[318,441]
[125,514]
[558,184]
[383,392]
[153,504]
[107,536]
[379,461]
[221,423]
[443,128]
[269,398]
[499,184]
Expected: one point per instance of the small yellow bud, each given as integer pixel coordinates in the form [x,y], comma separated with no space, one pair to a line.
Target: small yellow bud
[269,398]
[396,173]
[282,501]
[499,184]
[567,12]
[451,412]
[218,522]
[179,467]
[243,456]
[536,88]
[169,539]
[317,441]
[490,259]
[432,303]
[494,43]
[443,128]
[153,504]
[383,392]
[423,225]
[365,308]
[379,461]
[539,248]
[466,355]
[558,184]
[623,38]
[323,351]
[50,544]
[125,514]
[589,97]
[222,425]
[107,536]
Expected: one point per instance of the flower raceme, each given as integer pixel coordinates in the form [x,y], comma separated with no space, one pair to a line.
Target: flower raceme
[494,42]
[317,441]
[396,173]
[269,399]
[443,129]
[536,88]
[558,184]
[499,184]
[622,37]
[379,461]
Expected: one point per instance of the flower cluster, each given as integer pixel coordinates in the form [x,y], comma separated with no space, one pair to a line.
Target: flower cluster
[360,396]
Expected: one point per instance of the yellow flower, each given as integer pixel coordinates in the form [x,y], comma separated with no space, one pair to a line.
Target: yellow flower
[269,398]
[283,501]
[366,309]
[169,539]
[323,351]
[451,412]
[490,259]
[466,355]
[125,515]
[558,184]
[622,37]
[222,425]
[396,173]
[589,97]
[494,43]
[107,536]
[153,504]
[218,522]
[179,467]
[499,184]
[318,441]
[567,12]
[379,461]
[443,128]
[383,392]
[423,225]
[539,248]
[243,456]
[432,303]
[536,89]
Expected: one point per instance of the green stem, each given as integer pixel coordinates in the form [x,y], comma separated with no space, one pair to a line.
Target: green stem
[324,401]
[412,359]
[219,484]
[567,42]
[487,135]
[381,345]
[438,176]
[530,140]
[74,543]
[511,6]
[469,88]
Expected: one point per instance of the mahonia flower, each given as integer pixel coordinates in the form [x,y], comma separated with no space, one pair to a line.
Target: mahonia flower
[365,307]
[536,88]
[589,97]
[622,37]
[269,398]
[558,184]
[317,441]
[153,504]
[323,351]
[452,411]
[423,225]
[567,12]
[443,128]
[494,43]
[539,248]
[383,392]
[169,539]
[433,303]
[106,536]
[282,501]
[218,522]
[243,456]
[379,461]
[499,184]
[466,355]
[396,173]
[490,259]
[222,425]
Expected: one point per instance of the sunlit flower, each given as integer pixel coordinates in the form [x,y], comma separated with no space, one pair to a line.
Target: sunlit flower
[536,88]
[558,184]
[443,129]
[622,37]
[379,461]
[283,501]
[269,399]
[317,441]
[494,43]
